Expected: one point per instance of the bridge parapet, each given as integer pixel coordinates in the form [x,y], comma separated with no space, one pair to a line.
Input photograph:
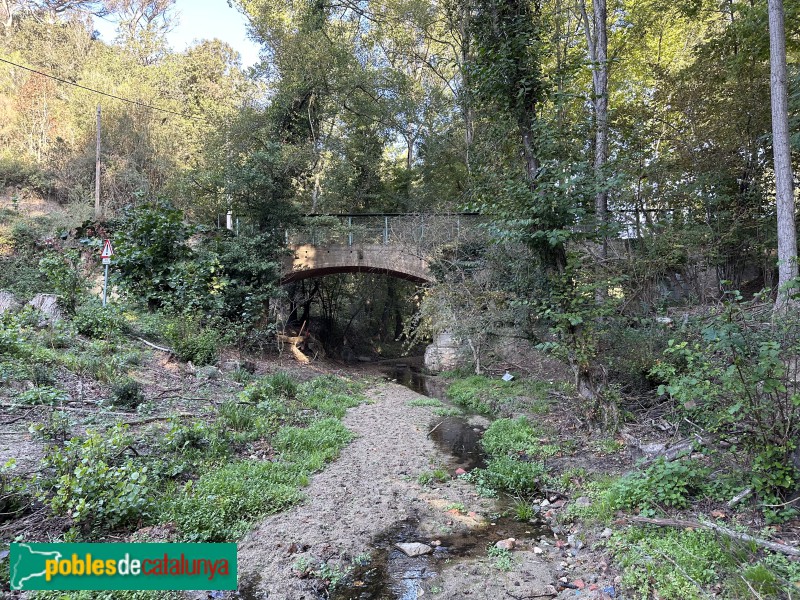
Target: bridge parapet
[411,230]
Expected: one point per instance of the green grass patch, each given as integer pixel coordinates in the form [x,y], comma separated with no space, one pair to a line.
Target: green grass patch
[424,402]
[448,411]
[223,503]
[516,437]
[515,463]
[671,564]
[429,477]
[491,396]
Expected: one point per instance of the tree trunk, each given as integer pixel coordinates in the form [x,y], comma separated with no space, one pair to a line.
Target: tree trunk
[597,46]
[784,194]
[601,119]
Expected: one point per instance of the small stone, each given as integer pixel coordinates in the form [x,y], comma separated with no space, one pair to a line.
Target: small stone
[545,503]
[606,533]
[507,544]
[618,579]
[460,471]
[537,550]
[436,543]
[579,583]
[562,579]
[583,501]
[414,548]
[593,587]
[208,372]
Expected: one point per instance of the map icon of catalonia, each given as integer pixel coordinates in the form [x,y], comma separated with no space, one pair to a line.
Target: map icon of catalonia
[27,564]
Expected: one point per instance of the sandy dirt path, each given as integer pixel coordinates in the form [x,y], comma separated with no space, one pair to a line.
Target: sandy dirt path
[372,489]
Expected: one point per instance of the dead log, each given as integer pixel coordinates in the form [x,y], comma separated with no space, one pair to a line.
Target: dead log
[146,343]
[294,341]
[790,551]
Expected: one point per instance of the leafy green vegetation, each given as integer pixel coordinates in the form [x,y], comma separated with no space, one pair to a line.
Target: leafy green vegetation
[425,402]
[492,396]
[503,560]
[436,475]
[518,436]
[95,481]
[672,564]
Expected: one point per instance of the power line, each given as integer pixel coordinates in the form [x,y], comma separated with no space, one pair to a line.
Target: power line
[88,89]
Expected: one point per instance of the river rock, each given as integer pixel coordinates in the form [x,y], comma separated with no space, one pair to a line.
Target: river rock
[414,548]
[444,354]
[47,304]
[8,302]
[507,544]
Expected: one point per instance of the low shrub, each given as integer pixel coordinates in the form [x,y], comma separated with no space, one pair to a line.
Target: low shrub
[95,484]
[45,394]
[94,320]
[56,428]
[735,374]
[663,484]
[127,393]
[192,342]
[14,491]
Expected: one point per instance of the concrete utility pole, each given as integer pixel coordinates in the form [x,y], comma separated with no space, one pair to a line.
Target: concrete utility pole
[98,213]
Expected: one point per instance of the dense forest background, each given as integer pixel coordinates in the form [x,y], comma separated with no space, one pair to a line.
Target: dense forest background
[621,155]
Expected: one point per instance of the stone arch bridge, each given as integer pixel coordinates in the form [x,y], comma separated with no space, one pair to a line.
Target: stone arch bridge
[399,244]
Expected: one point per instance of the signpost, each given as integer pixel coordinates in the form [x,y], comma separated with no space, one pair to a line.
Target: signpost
[106,255]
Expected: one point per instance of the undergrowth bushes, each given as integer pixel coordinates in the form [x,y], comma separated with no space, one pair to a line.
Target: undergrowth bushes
[96,483]
[737,375]
[515,459]
[194,473]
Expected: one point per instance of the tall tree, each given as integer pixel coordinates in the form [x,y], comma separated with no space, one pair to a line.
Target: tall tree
[597,44]
[784,193]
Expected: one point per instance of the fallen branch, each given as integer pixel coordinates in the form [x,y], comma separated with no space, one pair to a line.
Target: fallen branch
[15,419]
[739,497]
[146,343]
[559,495]
[434,429]
[744,537]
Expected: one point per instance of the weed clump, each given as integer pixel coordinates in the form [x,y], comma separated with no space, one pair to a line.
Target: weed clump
[192,342]
[95,483]
[127,393]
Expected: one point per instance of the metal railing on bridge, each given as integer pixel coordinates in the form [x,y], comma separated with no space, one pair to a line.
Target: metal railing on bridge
[410,229]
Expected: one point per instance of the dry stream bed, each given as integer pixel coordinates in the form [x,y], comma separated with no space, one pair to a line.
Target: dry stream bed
[340,543]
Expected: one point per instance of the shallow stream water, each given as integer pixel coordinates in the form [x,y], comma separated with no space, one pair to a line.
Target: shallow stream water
[390,574]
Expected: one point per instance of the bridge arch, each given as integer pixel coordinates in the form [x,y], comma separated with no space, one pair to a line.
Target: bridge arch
[307,261]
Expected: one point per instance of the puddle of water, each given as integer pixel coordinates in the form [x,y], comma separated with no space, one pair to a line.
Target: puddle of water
[414,379]
[461,440]
[454,435]
[391,575]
